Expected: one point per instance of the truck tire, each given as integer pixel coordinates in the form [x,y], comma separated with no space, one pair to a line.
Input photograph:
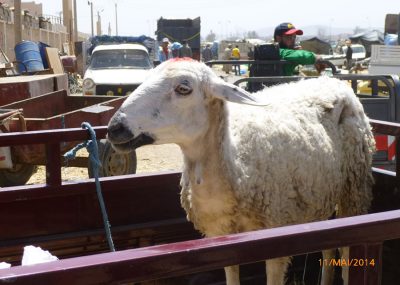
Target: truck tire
[113,163]
[18,175]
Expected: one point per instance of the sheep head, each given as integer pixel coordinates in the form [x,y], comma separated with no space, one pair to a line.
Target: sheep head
[171,106]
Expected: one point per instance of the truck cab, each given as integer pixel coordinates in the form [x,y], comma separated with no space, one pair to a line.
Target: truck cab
[116,69]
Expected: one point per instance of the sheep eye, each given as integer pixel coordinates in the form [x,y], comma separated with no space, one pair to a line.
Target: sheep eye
[183,88]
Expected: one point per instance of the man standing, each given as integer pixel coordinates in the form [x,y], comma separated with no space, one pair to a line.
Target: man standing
[185,50]
[236,56]
[165,52]
[207,53]
[285,35]
[349,56]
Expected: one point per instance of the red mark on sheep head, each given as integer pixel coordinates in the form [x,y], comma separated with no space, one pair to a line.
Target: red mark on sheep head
[181,59]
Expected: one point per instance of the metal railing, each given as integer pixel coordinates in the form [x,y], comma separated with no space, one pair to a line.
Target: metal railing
[279,63]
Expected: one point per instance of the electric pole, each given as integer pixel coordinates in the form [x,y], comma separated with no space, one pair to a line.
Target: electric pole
[116,20]
[17,21]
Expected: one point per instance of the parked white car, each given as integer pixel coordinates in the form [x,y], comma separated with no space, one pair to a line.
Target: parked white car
[116,69]
[339,59]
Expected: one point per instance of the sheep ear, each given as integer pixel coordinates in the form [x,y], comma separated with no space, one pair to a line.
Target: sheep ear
[229,92]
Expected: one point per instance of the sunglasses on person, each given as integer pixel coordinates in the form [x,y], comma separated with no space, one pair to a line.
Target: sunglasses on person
[289,37]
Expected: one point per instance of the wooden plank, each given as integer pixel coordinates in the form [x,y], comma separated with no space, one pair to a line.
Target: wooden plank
[54,60]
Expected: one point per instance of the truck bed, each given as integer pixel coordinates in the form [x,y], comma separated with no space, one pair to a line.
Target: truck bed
[153,238]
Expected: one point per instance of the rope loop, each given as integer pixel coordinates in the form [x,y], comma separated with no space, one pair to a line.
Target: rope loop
[93,150]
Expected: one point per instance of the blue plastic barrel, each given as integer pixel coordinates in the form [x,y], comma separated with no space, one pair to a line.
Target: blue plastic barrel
[28,53]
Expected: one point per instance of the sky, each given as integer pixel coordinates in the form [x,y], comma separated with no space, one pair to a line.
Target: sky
[233,17]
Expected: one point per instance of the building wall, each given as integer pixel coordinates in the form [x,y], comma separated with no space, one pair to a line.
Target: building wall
[52,38]
[52,34]
[33,8]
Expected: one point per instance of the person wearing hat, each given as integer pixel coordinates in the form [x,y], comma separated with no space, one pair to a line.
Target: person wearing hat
[285,35]
[175,47]
[165,52]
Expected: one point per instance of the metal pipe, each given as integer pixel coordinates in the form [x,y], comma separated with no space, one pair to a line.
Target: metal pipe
[91,17]
[116,20]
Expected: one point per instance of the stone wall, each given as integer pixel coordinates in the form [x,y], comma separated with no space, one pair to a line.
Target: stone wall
[7,42]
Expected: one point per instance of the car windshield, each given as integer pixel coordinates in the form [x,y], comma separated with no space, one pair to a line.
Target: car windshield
[358,49]
[120,58]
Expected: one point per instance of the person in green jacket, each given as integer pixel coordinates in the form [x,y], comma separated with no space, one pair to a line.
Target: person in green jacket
[285,35]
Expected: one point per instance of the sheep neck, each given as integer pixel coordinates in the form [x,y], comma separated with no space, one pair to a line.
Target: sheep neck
[207,194]
[207,151]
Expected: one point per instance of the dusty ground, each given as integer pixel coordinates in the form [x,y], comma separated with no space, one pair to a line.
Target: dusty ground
[151,158]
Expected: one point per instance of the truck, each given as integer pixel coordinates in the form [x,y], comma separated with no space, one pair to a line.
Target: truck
[118,65]
[385,59]
[179,30]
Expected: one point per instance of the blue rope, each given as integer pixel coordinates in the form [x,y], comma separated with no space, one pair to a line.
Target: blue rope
[92,148]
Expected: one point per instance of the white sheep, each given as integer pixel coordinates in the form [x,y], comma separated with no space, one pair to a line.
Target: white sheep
[253,167]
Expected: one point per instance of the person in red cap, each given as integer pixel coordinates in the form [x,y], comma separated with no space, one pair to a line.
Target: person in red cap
[285,35]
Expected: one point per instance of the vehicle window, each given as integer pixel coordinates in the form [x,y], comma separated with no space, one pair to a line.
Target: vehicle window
[358,49]
[136,59]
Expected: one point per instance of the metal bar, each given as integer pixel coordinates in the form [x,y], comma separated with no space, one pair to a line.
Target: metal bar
[351,77]
[396,97]
[385,128]
[187,257]
[354,85]
[374,87]
[266,62]
[241,61]
[272,79]
[49,136]
[397,160]
[53,164]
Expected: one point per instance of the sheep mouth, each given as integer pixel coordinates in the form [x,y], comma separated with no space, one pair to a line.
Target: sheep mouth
[138,141]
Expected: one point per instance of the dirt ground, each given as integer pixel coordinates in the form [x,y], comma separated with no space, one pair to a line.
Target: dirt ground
[152,158]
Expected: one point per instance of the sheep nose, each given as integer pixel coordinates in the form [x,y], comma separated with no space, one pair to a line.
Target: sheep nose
[118,132]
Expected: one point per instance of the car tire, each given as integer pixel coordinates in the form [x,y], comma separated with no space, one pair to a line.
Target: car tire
[18,175]
[113,163]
